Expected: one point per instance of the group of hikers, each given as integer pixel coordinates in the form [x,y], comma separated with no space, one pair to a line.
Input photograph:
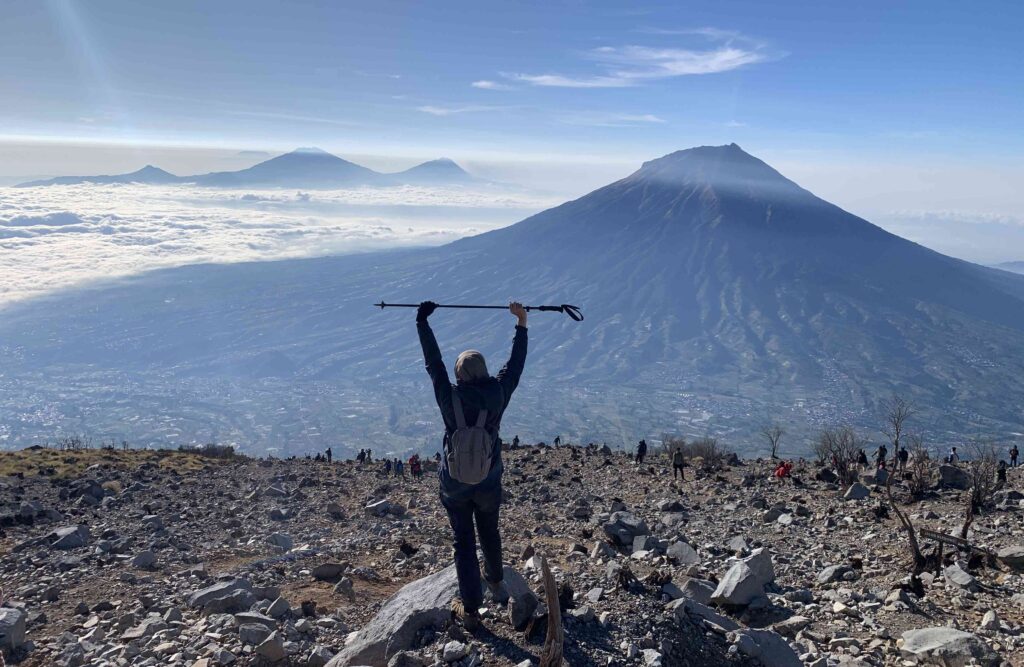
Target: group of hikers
[470,468]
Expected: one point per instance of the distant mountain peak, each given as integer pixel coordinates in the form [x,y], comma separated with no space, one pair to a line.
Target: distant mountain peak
[310,150]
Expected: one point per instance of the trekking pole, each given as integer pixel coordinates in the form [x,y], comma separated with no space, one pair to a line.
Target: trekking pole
[571,311]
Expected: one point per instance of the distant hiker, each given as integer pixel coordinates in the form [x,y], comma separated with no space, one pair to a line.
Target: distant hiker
[317,458]
[641,452]
[902,457]
[862,459]
[1014,453]
[677,464]
[1001,475]
[880,455]
[515,442]
[369,456]
[399,468]
[329,454]
[953,457]
[558,440]
[361,456]
[783,470]
[471,468]
[387,467]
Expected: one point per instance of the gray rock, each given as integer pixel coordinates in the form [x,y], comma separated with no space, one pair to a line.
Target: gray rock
[278,608]
[224,597]
[144,560]
[69,537]
[272,648]
[946,647]
[768,647]
[281,541]
[953,477]
[522,602]
[857,491]
[832,573]
[328,571]
[958,577]
[420,604]
[253,634]
[624,527]
[12,628]
[745,580]
[453,651]
[699,590]
[1012,557]
[682,553]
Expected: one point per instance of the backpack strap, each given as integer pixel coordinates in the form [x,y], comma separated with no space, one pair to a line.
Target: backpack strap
[460,415]
[481,419]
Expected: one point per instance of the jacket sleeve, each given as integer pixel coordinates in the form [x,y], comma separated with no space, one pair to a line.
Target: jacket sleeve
[510,373]
[438,373]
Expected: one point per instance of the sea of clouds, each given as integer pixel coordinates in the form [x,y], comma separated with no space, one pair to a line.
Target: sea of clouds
[60,236]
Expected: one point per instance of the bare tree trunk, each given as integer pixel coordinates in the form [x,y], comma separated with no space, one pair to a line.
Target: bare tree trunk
[968,518]
[908,526]
[551,654]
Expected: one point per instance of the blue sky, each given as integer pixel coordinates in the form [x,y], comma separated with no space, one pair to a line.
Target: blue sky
[847,98]
[940,77]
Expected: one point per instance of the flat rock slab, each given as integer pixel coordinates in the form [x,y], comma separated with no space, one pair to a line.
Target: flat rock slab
[947,647]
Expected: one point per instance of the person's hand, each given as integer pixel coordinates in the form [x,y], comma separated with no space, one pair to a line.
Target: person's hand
[425,310]
[519,311]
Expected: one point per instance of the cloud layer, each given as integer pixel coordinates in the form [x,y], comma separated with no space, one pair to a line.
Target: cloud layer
[55,237]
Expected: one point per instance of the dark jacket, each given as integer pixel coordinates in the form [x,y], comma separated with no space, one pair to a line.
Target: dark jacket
[492,394]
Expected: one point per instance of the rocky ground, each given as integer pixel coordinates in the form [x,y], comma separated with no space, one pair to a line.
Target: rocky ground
[145,558]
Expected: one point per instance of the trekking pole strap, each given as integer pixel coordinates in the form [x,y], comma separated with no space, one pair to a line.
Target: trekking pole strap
[571,311]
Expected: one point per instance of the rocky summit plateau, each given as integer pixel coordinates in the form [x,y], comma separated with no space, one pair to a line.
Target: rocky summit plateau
[114,558]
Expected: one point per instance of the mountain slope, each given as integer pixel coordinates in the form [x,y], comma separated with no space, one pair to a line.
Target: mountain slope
[717,294]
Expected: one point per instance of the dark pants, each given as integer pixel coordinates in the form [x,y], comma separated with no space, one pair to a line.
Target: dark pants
[481,508]
[678,469]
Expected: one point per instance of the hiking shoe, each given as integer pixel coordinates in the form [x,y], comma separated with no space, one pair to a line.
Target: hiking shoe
[470,619]
[497,592]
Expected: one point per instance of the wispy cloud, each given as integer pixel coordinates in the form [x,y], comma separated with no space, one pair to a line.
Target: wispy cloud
[602,119]
[299,118]
[632,65]
[451,111]
[490,85]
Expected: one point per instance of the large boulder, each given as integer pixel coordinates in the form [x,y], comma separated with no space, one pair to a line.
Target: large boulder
[12,628]
[947,647]
[745,581]
[952,477]
[420,604]
[624,527]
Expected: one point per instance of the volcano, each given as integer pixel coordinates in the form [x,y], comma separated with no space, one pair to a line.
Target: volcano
[718,295]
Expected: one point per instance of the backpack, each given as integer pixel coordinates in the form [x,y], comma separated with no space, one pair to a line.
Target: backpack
[470,447]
